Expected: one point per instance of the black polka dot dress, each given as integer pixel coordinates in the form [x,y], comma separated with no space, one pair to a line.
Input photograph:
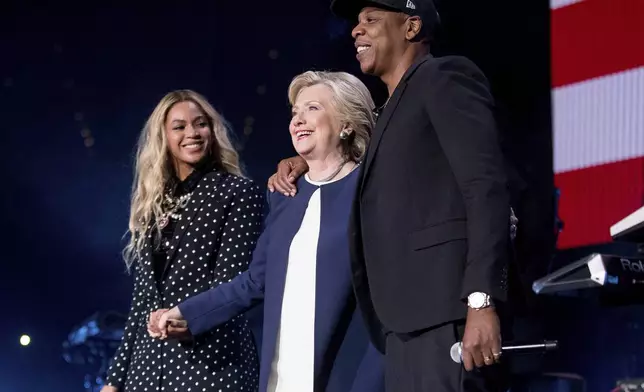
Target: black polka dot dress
[209,244]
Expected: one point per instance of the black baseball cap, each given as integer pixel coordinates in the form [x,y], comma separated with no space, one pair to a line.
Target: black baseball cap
[425,9]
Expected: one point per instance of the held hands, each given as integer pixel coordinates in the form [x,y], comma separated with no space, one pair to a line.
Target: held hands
[168,324]
[108,388]
[288,171]
[482,338]
[153,323]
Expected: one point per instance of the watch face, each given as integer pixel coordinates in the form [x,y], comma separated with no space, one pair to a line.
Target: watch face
[477,300]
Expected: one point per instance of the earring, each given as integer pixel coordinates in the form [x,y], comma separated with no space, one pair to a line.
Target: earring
[344,135]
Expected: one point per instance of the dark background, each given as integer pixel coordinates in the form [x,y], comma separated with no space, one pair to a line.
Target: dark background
[78,80]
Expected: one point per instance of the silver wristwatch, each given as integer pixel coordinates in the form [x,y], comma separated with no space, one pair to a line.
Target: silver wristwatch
[478,300]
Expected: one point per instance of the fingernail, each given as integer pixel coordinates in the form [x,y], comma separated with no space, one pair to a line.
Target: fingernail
[292,193]
[291,178]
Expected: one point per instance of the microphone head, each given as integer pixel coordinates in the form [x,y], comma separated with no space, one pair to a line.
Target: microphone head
[455,352]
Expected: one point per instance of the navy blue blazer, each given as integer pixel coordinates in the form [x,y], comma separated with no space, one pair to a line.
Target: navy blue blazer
[345,359]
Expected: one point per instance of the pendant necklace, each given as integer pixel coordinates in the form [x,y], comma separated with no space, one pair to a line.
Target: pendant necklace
[171,207]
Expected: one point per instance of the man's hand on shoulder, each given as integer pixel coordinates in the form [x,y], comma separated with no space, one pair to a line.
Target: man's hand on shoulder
[288,171]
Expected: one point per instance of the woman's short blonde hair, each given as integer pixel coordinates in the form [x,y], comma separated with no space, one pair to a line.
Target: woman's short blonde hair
[351,100]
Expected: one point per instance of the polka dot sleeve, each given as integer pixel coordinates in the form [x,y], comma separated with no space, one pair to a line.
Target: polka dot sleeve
[118,369]
[240,233]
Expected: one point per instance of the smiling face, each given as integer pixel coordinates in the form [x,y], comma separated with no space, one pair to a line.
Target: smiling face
[315,127]
[380,39]
[189,136]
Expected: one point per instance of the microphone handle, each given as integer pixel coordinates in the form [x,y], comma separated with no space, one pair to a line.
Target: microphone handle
[547,345]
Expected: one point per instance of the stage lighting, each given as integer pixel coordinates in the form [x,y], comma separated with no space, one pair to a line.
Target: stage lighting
[25,340]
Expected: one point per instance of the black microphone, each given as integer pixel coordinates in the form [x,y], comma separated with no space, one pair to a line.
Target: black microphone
[546,345]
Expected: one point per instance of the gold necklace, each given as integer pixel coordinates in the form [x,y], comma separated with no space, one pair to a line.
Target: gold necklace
[336,172]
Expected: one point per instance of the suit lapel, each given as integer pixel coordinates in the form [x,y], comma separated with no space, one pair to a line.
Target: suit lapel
[385,117]
[197,199]
[332,283]
[381,127]
[148,269]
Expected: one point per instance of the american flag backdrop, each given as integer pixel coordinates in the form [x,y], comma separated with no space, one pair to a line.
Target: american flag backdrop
[597,51]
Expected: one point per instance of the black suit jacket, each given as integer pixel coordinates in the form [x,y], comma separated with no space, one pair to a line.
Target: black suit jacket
[431,216]
[212,243]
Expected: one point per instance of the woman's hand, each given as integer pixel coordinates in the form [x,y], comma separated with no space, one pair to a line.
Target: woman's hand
[153,323]
[172,325]
[288,171]
[108,388]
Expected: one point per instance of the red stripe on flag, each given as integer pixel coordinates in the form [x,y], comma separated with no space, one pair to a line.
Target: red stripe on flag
[594,199]
[594,38]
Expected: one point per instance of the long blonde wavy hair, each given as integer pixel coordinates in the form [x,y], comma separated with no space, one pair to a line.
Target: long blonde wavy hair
[154,167]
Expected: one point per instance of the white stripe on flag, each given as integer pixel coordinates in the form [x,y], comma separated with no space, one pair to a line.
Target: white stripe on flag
[598,121]
[554,4]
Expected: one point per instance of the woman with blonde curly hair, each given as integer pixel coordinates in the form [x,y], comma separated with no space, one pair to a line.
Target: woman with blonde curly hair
[314,337]
[194,223]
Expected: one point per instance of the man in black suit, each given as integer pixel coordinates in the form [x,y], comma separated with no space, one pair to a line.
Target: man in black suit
[430,225]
